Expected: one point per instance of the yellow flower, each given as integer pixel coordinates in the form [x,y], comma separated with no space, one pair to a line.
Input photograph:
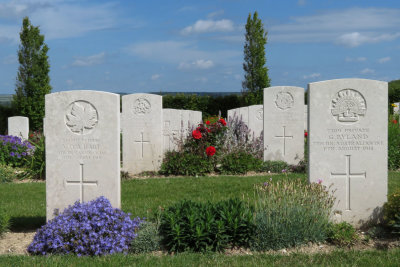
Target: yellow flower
[394,105]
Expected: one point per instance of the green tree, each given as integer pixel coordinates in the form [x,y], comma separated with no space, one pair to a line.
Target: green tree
[256,73]
[33,81]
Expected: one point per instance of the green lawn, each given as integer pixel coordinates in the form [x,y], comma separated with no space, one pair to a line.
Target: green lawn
[26,204]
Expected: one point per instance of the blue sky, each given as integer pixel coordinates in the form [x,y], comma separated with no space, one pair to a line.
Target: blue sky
[168,45]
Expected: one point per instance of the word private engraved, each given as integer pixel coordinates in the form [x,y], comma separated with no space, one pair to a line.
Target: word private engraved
[141,106]
[81,117]
[348,105]
[284,100]
[260,114]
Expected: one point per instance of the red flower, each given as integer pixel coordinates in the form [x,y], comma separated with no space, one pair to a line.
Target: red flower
[208,122]
[208,130]
[394,121]
[210,151]
[305,134]
[222,121]
[196,134]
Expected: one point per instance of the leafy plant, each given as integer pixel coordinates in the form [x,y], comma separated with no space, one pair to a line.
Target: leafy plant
[180,163]
[147,239]
[342,234]
[202,227]
[291,212]
[4,221]
[393,144]
[274,166]
[391,209]
[92,228]
[8,173]
[37,162]
[14,151]
[240,163]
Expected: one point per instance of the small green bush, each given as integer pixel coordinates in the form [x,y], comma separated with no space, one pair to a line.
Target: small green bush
[202,227]
[37,162]
[147,239]
[391,209]
[342,234]
[7,173]
[4,221]
[240,163]
[274,166]
[393,144]
[289,213]
[180,163]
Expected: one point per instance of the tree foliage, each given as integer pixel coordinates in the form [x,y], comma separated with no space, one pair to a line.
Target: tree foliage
[256,73]
[33,81]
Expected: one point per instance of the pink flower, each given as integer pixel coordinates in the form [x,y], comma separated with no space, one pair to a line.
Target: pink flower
[319,181]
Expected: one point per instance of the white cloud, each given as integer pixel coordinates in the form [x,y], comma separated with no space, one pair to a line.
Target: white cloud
[356,59]
[301,2]
[90,60]
[198,64]
[350,27]
[175,52]
[216,13]
[203,26]
[312,76]
[356,39]
[384,59]
[10,59]
[155,77]
[367,71]
[57,18]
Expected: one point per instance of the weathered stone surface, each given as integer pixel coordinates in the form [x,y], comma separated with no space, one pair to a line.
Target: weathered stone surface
[284,123]
[172,129]
[305,118]
[82,148]
[142,137]
[256,120]
[18,126]
[348,145]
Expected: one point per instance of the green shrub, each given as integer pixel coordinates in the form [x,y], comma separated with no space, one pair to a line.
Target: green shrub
[147,239]
[8,173]
[4,221]
[180,163]
[37,162]
[393,144]
[289,213]
[391,209]
[342,234]
[240,163]
[201,227]
[275,166]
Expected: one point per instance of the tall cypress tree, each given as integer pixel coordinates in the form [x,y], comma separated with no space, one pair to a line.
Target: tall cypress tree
[256,73]
[33,81]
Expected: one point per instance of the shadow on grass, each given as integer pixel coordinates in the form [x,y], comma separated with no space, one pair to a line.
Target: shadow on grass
[20,224]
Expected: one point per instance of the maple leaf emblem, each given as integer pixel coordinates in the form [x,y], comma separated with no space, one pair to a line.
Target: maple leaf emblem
[82,116]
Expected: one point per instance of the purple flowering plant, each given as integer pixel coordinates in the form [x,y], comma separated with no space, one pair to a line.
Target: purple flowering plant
[91,228]
[14,151]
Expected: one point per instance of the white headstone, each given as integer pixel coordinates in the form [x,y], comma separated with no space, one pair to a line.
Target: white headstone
[18,126]
[82,148]
[396,108]
[142,137]
[195,119]
[348,135]
[305,118]
[256,120]
[232,113]
[172,126]
[284,115]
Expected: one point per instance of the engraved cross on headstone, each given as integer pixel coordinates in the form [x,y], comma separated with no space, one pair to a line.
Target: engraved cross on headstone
[348,175]
[284,136]
[142,142]
[81,183]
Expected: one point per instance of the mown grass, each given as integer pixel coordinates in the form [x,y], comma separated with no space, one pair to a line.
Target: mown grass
[336,258]
[26,204]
